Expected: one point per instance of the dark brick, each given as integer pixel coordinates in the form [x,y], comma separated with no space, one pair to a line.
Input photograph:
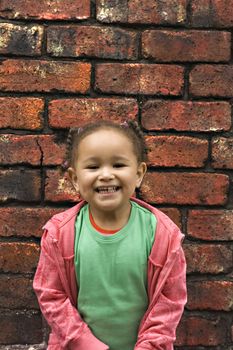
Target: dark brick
[44,9]
[186,46]
[185,188]
[76,112]
[58,188]
[210,224]
[222,152]
[186,116]
[21,113]
[136,78]
[94,41]
[21,40]
[173,214]
[29,75]
[172,151]
[23,185]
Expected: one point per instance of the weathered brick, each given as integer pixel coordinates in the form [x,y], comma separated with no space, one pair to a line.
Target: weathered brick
[23,185]
[211,80]
[93,41]
[67,113]
[212,13]
[210,224]
[186,116]
[17,293]
[136,78]
[45,9]
[24,222]
[210,295]
[25,257]
[172,151]
[135,11]
[185,188]
[222,152]
[208,258]
[173,214]
[58,187]
[20,328]
[49,76]
[21,113]
[195,330]
[20,40]
[186,46]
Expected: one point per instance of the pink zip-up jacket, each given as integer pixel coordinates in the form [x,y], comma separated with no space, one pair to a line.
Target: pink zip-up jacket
[56,287]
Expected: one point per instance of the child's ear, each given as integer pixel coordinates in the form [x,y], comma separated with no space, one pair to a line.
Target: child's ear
[73,178]
[142,168]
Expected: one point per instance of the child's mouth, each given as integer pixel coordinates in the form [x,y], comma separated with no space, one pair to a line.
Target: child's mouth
[107,189]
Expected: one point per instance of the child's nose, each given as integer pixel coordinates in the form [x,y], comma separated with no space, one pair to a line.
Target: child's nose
[106,174]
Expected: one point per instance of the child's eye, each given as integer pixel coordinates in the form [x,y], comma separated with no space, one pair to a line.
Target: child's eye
[92,167]
[119,165]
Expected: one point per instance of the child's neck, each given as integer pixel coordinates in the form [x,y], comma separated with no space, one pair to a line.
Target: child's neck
[111,220]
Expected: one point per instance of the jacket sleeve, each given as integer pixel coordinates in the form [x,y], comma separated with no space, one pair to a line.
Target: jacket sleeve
[159,328]
[67,326]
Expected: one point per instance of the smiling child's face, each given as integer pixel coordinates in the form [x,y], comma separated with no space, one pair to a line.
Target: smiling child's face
[106,171]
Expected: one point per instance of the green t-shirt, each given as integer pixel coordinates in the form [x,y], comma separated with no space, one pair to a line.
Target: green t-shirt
[111,272]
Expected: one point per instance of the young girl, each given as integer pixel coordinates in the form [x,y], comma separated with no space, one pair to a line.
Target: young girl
[111,273]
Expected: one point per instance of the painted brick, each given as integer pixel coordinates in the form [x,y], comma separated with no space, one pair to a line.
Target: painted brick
[210,224]
[211,80]
[172,151]
[186,46]
[135,11]
[24,222]
[23,185]
[58,187]
[173,214]
[93,41]
[20,328]
[67,113]
[210,295]
[17,293]
[185,188]
[136,78]
[21,40]
[208,258]
[194,331]
[212,13]
[49,76]
[222,152]
[45,9]
[186,116]
[25,255]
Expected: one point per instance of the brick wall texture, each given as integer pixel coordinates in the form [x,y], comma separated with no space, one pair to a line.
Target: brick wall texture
[166,64]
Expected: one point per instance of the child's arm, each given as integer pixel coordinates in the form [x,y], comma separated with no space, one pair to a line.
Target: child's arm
[70,331]
[159,329]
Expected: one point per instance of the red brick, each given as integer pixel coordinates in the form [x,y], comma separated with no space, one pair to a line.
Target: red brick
[186,116]
[58,188]
[67,113]
[19,257]
[23,185]
[135,11]
[186,46]
[210,295]
[208,258]
[212,13]
[24,222]
[53,151]
[210,224]
[21,113]
[136,78]
[29,75]
[93,41]
[45,9]
[222,152]
[17,293]
[20,328]
[172,151]
[173,214]
[208,80]
[185,188]
[21,40]
[195,330]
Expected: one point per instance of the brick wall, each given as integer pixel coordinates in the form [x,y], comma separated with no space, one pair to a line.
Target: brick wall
[167,64]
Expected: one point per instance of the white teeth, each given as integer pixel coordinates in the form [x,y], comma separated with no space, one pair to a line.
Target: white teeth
[107,189]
